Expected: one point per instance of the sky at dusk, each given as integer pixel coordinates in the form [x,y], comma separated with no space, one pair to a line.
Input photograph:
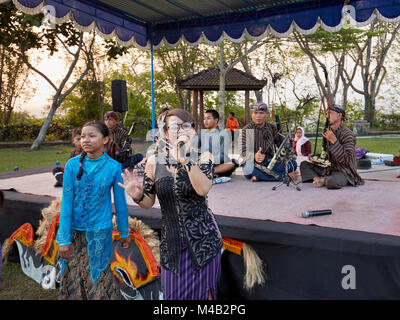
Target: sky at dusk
[37,103]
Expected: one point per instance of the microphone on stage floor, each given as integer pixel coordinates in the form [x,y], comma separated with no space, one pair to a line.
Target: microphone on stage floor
[313,213]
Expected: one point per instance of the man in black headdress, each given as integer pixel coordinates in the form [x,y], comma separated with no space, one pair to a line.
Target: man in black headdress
[262,138]
[341,151]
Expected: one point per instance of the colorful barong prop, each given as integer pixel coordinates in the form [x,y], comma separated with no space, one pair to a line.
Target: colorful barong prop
[136,268]
[254,271]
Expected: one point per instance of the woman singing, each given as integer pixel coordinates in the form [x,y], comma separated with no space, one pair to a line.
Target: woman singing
[190,239]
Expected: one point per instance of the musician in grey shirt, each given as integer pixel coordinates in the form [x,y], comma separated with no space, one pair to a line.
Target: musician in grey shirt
[216,141]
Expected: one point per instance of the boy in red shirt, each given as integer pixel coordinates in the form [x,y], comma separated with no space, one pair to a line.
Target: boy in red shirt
[232,124]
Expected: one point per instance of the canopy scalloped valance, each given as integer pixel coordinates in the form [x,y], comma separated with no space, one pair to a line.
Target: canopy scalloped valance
[140,23]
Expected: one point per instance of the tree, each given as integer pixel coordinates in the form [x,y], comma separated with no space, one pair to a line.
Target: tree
[22,33]
[225,60]
[324,44]
[13,77]
[82,104]
[356,52]
[61,90]
[288,94]
[370,59]
[179,63]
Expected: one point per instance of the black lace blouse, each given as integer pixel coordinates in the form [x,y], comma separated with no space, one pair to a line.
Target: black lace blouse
[185,215]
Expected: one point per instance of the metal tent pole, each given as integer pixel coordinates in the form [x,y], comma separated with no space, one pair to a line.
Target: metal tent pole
[153,115]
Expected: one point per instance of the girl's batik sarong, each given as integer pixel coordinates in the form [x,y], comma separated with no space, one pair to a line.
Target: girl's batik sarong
[77,283]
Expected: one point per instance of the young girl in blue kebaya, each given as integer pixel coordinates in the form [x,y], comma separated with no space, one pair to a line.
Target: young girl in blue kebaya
[85,230]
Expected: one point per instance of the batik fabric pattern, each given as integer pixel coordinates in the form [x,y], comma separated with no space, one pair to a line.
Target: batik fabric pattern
[77,282]
[86,206]
[185,217]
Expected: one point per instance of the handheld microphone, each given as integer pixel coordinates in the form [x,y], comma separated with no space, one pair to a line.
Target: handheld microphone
[313,213]
[181,152]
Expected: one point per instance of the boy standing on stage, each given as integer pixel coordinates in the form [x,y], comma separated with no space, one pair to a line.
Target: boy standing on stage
[58,172]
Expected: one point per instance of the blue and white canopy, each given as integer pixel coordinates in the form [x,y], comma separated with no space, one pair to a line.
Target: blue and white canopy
[142,22]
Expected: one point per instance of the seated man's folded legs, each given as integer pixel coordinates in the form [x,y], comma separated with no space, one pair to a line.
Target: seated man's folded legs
[132,161]
[249,171]
[336,180]
[224,169]
[309,171]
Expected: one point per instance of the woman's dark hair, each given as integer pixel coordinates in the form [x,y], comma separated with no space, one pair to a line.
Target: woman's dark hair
[163,110]
[181,114]
[102,128]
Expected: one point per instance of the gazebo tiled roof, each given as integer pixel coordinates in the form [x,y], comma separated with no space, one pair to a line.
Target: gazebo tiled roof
[209,80]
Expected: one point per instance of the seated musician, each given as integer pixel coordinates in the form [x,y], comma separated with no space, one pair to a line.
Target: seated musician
[216,141]
[341,150]
[264,137]
[122,139]
[58,172]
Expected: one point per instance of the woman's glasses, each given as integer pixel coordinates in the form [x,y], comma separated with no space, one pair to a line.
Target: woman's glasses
[174,127]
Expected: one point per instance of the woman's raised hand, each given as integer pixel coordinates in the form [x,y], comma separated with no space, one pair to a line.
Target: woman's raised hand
[131,184]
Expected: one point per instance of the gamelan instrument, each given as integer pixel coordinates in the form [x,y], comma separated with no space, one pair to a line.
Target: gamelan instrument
[322,159]
[279,155]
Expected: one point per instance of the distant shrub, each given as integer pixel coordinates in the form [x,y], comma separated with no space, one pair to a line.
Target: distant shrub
[29,132]
[388,121]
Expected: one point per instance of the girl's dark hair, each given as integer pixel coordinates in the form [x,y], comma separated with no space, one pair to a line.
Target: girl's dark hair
[76,132]
[103,129]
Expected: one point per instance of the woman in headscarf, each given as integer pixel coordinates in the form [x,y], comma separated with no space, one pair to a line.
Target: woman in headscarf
[302,146]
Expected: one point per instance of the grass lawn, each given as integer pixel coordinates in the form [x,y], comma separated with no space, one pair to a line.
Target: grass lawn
[24,158]
[380,145]
[375,145]
[15,285]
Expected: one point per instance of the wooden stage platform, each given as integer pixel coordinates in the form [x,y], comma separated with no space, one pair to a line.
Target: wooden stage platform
[303,257]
